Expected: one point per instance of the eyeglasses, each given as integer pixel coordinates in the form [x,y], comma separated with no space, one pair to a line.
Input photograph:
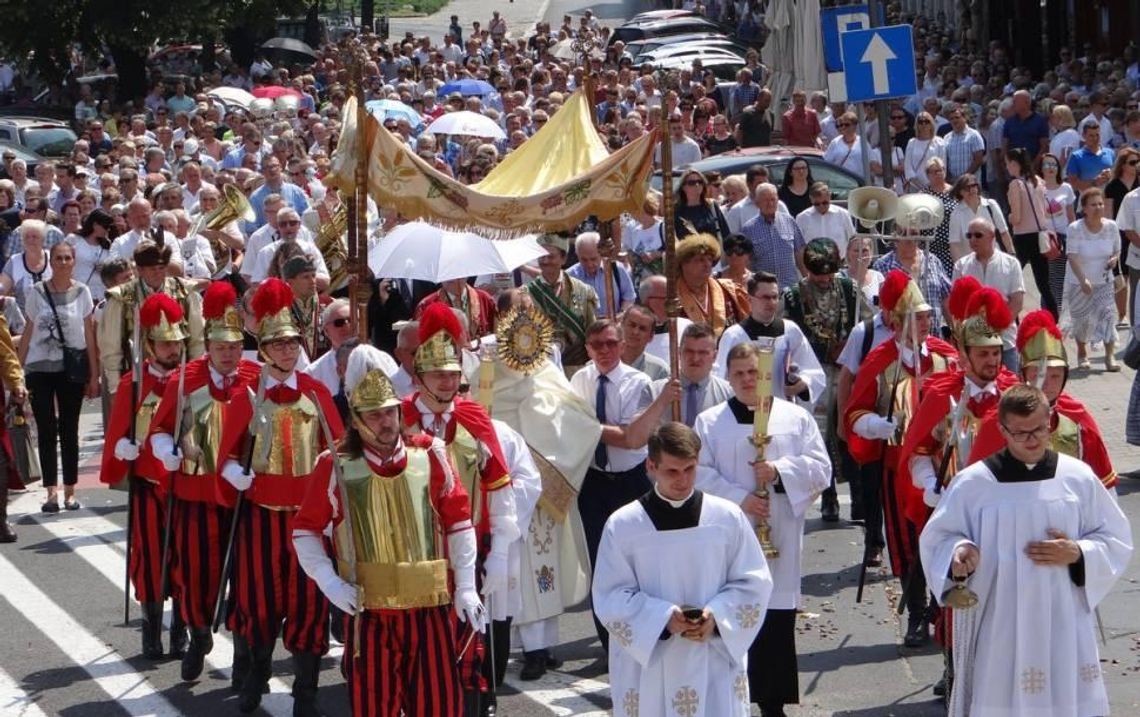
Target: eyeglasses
[975,235]
[694,182]
[924,121]
[738,251]
[340,323]
[603,345]
[1039,433]
[844,124]
[800,168]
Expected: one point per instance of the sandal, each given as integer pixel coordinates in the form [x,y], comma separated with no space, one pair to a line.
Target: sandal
[50,506]
[71,504]
[1084,364]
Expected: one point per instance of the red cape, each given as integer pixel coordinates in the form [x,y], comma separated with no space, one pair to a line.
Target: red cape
[920,439]
[197,378]
[472,416]
[271,490]
[487,310]
[1093,450]
[864,393]
[147,466]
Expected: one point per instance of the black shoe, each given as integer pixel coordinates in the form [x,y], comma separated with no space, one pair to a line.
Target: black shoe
[152,631]
[50,506]
[830,510]
[857,514]
[256,682]
[336,625]
[917,633]
[874,558]
[939,688]
[201,643]
[7,534]
[772,711]
[178,637]
[534,665]
[306,671]
[72,504]
[552,662]
[241,663]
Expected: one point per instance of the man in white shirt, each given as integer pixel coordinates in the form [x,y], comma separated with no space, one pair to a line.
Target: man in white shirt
[1128,221]
[651,294]
[700,389]
[998,270]
[623,404]
[746,210]
[336,325]
[685,149]
[289,230]
[139,214]
[824,219]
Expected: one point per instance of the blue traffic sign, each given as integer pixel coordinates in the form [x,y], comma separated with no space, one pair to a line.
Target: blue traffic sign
[879,63]
[834,20]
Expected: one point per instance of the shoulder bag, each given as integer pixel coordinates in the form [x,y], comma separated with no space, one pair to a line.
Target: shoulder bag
[75,364]
[1047,242]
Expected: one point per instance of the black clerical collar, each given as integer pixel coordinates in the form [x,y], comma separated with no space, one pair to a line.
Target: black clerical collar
[666,517]
[742,413]
[756,329]
[1007,469]
[662,328]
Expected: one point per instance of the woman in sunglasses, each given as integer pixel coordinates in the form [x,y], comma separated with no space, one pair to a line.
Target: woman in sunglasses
[696,212]
[846,150]
[924,145]
[1060,201]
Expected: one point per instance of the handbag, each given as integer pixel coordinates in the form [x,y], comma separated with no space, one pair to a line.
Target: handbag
[1131,355]
[75,364]
[1047,242]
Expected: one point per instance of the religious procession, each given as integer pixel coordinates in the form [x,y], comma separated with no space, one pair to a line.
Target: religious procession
[502,370]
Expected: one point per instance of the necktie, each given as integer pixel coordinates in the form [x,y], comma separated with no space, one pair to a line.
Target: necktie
[406,291]
[691,409]
[601,458]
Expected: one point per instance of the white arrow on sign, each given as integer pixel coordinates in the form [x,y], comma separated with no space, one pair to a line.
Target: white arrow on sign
[878,53]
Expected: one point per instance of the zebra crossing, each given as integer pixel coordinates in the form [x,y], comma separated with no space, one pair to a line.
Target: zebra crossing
[64,649]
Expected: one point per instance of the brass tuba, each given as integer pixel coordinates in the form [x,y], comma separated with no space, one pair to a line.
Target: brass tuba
[330,242]
[233,205]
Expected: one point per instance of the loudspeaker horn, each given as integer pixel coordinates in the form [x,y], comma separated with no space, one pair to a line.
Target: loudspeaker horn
[872,205]
[919,212]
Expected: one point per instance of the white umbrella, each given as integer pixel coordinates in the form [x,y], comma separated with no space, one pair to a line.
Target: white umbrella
[467,123]
[232,96]
[564,50]
[418,250]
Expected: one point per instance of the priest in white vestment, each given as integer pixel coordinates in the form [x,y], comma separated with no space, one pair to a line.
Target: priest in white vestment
[682,586]
[793,353]
[796,469]
[1041,542]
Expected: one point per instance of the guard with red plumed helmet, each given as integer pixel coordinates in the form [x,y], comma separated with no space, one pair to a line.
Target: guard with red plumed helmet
[161,321]
[271,439]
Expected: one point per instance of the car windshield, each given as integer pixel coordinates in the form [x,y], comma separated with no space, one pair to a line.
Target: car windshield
[48,141]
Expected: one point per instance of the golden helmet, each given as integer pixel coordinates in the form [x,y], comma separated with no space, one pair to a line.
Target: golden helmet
[899,295]
[987,316]
[272,306]
[365,381]
[219,309]
[440,340]
[160,318]
[1038,338]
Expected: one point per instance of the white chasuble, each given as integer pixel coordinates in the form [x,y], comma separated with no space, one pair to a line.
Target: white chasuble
[643,573]
[797,450]
[1034,637]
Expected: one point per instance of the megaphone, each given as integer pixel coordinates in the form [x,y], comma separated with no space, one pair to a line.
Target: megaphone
[919,213]
[871,206]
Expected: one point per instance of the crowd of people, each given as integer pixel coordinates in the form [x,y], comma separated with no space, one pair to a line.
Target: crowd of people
[120,282]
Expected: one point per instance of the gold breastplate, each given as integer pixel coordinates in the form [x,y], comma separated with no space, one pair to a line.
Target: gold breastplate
[203,433]
[467,457]
[1066,437]
[396,535]
[293,438]
[902,394]
[145,414]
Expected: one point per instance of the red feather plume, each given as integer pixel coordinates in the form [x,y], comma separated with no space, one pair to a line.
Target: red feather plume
[219,295]
[439,317]
[155,305]
[960,293]
[987,299]
[271,296]
[1034,321]
[892,289]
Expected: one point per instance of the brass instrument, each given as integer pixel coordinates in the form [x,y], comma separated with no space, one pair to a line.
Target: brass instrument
[233,205]
[760,438]
[330,242]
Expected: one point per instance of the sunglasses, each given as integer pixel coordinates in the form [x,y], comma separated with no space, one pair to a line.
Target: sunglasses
[737,251]
[971,185]
[1133,162]
[601,345]
[844,124]
[975,235]
[924,121]
[694,183]
[289,223]
[340,323]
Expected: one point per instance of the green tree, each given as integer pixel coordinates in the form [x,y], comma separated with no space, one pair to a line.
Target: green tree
[128,30]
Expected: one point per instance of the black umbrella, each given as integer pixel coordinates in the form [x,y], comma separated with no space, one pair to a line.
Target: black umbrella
[288,51]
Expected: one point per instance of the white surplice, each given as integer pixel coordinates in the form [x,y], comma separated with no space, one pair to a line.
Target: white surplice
[643,573]
[797,450]
[1035,650]
[789,349]
[526,484]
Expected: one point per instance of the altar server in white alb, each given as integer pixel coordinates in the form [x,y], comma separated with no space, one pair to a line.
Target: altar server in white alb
[795,469]
[682,586]
[1040,542]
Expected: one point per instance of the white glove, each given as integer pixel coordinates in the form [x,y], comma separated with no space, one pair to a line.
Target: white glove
[922,473]
[341,593]
[930,497]
[125,450]
[495,574]
[236,476]
[470,609]
[162,445]
[878,428]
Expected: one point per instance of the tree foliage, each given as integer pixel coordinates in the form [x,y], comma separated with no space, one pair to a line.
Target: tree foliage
[45,30]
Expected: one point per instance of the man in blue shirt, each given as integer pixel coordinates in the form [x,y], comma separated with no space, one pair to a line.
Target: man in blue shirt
[589,271]
[275,183]
[1025,128]
[777,243]
[1090,165]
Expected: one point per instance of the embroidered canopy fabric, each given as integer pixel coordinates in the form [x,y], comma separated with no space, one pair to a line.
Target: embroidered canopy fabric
[552,182]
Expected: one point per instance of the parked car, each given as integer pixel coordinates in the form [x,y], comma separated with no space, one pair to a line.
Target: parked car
[650,15]
[39,135]
[631,32]
[635,50]
[723,67]
[30,158]
[776,159]
[690,52]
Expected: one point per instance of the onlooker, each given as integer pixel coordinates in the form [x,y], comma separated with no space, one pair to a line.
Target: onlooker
[967,192]
[924,145]
[801,124]
[1025,129]
[965,148]
[936,186]
[29,266]
[777,243]
[1125,178]
[695,212]
[1065,139]
[997,270]
[824,219]
[1027,219]
[92,247]
[795,187]
[1059,206]
[60,320]
[1091,165]
[754,124]
[1093,248]
[847,149]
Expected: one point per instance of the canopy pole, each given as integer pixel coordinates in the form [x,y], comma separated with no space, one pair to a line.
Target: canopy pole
[359,285]
[672,303]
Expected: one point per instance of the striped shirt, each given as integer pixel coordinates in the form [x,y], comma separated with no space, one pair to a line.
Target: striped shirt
[934,284]
[774,246]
